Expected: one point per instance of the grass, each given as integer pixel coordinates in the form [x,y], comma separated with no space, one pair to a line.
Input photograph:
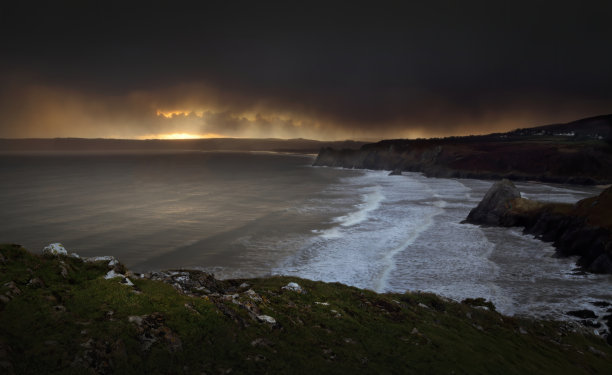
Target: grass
[331,329]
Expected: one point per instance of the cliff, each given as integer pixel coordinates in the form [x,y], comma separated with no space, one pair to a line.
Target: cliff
[583,229]
[495,205]
[63,314]
[578,153]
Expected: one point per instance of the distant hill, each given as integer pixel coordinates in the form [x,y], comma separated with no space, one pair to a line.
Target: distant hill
[210,144]
[578,152]
[599,127]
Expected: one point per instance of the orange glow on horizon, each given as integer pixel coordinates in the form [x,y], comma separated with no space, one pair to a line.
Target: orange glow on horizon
[181,136]
[171,114]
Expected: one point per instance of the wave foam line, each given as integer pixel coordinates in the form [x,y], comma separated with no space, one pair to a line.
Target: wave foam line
[370,203]
[388,260]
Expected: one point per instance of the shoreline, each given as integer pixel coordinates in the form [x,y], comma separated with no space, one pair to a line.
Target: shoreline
[583,229]
[540,153]
[509,293]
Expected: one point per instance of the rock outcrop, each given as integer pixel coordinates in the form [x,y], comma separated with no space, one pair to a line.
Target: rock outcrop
[574,235]
[583,229]
[55,249]
[495,204]
[294,287]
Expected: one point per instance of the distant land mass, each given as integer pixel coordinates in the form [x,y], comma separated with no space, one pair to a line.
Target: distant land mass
[210,144]
[579,152]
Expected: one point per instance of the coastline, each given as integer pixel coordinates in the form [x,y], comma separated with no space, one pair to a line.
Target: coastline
[468,274]
[543,153]
[451,161]
[583,229]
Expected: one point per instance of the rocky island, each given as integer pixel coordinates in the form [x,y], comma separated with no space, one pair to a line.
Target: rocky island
[60,313]
[579,152]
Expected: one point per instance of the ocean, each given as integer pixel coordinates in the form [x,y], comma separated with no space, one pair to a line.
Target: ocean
[247,214]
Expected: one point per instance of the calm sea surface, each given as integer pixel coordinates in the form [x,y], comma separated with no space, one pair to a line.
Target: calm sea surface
[253,214]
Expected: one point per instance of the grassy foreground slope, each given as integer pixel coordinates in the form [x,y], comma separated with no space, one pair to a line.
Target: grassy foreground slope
[60,315]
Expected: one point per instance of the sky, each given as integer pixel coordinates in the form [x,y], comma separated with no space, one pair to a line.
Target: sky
[300,69]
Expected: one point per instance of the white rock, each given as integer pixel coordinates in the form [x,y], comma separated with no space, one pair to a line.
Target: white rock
[55,249]
[135,319]
[294,287]
[75,255]
[106,258]
[230,297]
[112,274]
[112,261]
[182,279]
[253,295]
[124,280]
[266,319]
[322,303]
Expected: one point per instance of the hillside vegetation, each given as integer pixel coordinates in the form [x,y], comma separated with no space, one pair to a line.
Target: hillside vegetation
[59,314]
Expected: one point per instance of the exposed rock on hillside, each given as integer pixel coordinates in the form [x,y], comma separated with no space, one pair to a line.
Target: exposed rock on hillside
[54,249]
[495,204]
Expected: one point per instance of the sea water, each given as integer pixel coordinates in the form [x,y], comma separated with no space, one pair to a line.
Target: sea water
[240,214]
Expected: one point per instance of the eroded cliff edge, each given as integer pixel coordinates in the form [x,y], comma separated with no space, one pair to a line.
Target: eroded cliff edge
[583,229]
[579,152]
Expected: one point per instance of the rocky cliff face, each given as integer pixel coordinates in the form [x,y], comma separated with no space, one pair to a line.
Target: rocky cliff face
[516,156]
[583,229]
[495,204]
[573,235]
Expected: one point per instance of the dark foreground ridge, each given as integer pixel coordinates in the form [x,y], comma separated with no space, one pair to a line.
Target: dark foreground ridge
[579,152]
[63,314]
[583,229]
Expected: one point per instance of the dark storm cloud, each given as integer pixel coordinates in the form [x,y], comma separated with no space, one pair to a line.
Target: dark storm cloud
[426,68]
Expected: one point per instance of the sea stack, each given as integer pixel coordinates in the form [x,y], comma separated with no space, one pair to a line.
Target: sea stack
[495,204]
